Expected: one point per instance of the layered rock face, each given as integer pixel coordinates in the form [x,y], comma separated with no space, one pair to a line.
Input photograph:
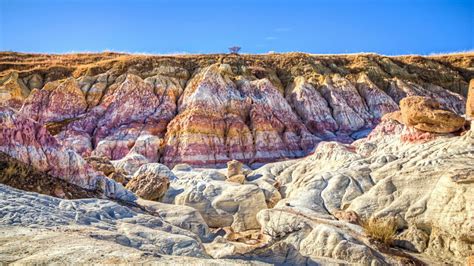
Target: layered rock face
[205,112]
[220,120]
[426,185]
[30,143]
[130,112]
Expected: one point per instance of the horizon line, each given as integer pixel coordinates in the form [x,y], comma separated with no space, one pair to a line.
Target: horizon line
[183,53]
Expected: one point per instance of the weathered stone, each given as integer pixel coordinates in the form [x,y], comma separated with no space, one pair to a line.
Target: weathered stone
[221,204]
[56,102]
[182,167]
[237,109]
[223,112]
[425,114]
[400,89]
[65,226]
[151,181]
[418,182]
[13,91]
[219,118]
[234,167]
[130,163]
[236,179]
[470,101]
[378,102]
[311,107]
[348,216]
[412,239]
[348,108]
[20,175]
[101,164]
[313,238]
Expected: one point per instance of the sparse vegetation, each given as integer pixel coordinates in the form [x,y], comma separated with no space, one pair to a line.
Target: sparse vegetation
[380,229]
[22,176]
[12,170]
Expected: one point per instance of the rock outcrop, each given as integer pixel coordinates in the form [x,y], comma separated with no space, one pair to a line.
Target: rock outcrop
[470,101]
[234,167]
[332,146]
[151,181]
[12,91]
[23,176]
[221,204]
[220,120]
[30,143]
[234,172]
[57,101]
[426,185]
[313,109]
[425,114]
[348,108]
[205,112]
[106,221]
[378,102]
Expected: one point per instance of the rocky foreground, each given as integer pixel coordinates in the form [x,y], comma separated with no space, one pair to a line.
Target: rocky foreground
[125,154]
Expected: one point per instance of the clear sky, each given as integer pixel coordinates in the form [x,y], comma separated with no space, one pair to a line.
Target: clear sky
[211,26]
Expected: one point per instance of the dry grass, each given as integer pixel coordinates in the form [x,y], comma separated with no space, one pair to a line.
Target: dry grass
[13,170]
[380,229]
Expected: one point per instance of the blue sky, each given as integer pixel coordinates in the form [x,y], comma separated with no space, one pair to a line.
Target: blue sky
[210,26]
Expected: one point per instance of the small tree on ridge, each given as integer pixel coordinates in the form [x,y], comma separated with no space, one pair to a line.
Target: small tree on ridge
[234,49]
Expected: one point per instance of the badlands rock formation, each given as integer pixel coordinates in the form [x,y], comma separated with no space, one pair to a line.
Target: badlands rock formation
[207,110]
[426,185]
[30,143]
[332,141]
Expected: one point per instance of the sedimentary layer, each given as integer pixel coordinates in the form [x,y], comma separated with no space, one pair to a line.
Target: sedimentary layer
[208,109]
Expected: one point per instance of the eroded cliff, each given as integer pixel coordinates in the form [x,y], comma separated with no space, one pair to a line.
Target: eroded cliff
[208,109]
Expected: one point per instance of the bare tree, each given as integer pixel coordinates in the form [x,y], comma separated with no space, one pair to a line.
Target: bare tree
[234,49]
